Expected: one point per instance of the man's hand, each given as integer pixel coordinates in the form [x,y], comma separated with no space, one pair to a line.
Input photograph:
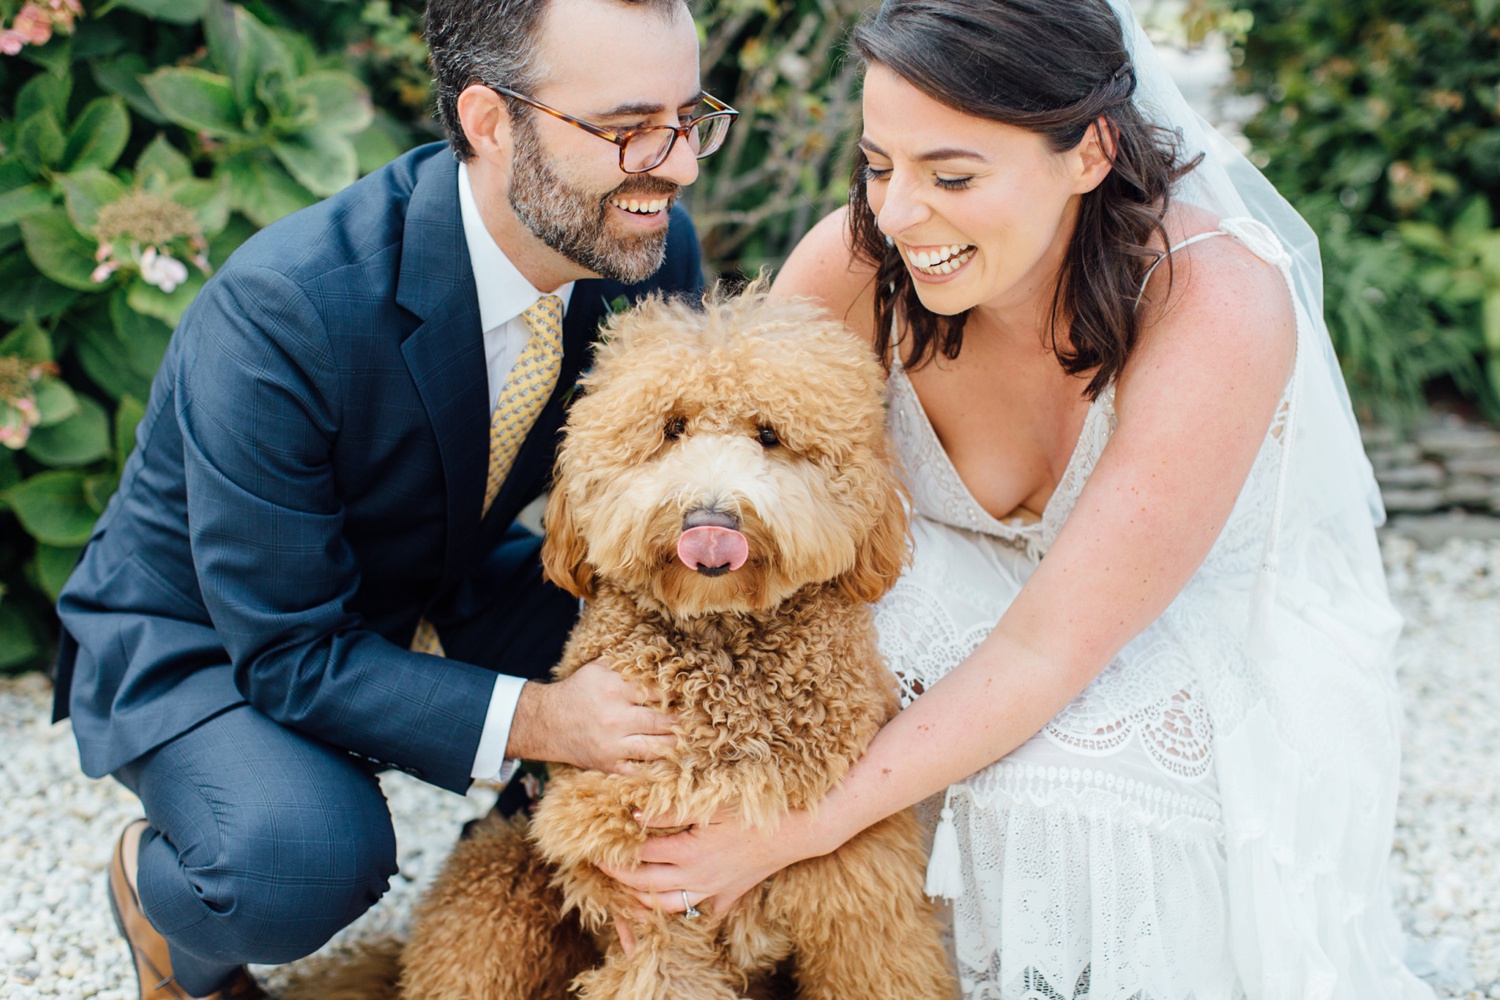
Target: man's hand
[593,718]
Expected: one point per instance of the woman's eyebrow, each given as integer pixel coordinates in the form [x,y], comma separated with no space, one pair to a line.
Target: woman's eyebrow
[945,153]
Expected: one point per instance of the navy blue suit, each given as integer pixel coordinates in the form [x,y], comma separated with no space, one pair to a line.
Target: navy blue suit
[307,483]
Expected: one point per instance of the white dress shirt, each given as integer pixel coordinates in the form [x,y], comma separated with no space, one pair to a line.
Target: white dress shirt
[504,294]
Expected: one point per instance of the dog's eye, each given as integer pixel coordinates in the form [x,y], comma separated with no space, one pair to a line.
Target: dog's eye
[768,437]
[675,428]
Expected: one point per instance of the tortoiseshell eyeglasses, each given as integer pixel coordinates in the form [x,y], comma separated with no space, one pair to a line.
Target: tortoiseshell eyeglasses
[644,149]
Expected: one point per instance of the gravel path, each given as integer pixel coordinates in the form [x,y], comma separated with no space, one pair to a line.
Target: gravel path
[57,939]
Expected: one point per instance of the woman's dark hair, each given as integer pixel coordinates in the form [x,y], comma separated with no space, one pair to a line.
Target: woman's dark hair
[1053,67]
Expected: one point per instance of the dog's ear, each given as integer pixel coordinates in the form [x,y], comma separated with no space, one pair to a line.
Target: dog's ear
[563,550]
[885,549]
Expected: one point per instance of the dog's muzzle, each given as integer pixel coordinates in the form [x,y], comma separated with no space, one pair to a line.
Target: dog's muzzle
[711,542]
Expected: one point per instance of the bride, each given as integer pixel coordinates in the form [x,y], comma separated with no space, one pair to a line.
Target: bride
[1144,642]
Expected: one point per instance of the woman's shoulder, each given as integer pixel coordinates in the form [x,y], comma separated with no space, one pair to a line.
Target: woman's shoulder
[824,267]
[1222,302]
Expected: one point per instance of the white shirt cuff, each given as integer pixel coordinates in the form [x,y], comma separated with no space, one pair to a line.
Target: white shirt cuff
[490,763]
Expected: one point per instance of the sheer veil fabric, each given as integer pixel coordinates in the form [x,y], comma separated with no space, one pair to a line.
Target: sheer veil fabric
[1213,816]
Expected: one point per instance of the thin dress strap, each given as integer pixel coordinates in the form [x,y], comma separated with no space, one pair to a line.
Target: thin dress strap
[1170,251]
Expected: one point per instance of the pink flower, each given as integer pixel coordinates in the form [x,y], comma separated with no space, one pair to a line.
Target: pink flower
[161,270]
[63,13]
[14,432]
[103,271]
[104,253]
[29,412]
[33,24]
[11,42]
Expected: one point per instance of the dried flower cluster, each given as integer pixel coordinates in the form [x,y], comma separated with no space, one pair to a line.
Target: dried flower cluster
[140,231]
[36,23]
[18,410]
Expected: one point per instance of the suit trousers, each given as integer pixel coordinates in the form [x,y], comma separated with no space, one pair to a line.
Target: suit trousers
[263,842]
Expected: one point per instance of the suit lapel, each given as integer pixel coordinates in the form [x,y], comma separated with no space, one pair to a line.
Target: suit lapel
[445,354]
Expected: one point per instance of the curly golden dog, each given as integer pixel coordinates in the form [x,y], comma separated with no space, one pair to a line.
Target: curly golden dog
[725,501]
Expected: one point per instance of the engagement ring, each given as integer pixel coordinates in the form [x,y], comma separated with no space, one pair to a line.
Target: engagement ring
[691,911]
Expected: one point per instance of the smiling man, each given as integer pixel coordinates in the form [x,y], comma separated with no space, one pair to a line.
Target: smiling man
[311,569]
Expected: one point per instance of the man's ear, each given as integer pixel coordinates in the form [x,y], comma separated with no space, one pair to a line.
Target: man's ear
[485,119]
[1093,158]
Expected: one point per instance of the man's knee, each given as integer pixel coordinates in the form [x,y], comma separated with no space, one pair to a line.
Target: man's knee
[289,883]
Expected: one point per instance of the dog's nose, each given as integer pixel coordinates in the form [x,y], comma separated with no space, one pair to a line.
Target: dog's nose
[708,517]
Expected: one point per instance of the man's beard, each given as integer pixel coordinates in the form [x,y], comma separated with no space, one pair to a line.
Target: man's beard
[575,223]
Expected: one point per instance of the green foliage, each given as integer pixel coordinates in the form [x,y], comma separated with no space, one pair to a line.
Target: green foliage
[140,142]
[1382,123]
[786,163]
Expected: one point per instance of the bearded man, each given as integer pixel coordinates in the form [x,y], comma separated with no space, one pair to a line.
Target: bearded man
[311,569]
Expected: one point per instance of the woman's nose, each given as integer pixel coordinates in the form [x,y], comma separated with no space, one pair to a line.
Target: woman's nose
[901,208]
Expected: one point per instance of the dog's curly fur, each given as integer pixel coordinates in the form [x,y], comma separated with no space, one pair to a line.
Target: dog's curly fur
[771,669]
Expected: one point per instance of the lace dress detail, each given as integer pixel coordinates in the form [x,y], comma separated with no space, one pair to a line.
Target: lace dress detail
[1094,856]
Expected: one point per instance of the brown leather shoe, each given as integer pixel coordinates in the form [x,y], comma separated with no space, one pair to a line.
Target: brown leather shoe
[148,949]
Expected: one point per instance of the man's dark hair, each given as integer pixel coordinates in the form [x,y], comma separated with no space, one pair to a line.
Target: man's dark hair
[1053,67]
[490,42]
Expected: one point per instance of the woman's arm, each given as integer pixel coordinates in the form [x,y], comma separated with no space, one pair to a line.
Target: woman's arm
[824,268]
[1193,406]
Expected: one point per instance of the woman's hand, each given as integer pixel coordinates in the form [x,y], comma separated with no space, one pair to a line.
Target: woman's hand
[711,865]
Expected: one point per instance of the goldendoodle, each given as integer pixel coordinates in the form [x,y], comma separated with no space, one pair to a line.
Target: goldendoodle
[725,502]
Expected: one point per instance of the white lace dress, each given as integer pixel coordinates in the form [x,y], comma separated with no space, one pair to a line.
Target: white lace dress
[1096,857]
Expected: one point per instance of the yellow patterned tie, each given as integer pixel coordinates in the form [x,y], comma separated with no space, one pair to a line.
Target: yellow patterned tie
[527,389]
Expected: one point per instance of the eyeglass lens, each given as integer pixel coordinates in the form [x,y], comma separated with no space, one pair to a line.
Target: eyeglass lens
[646,149]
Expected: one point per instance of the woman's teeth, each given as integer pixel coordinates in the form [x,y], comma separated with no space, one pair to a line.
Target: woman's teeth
[640,207]
[940,260]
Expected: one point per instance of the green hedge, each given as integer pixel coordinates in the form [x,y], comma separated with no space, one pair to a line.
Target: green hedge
[1382,123]
[141,141]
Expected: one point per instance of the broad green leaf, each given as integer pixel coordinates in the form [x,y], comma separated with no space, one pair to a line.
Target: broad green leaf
[263,191]
[53,567]
[56,403]
[96,39]
[196,100]
[377,145]
[55,57]
[322,162]
[243,48]
[1492,323]
[58,250]
[109,362]
[10,475]
[99,136]
[123,76]
[41,142]
[44,94]
[1484,10]
[160,164]
[341,103]
[127,418]
[27,341]
[10,236]
[80,440]
[18,204]
[86,192]
[24,292]
[13,175]
[166,306]
[175,11]
[18,645]
[230,239]
[98,489]
[53,507]
[208,200]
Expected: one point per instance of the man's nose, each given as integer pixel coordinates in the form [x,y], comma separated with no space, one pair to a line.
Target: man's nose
[681,166]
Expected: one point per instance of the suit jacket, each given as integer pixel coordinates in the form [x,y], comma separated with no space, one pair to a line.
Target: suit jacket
[307,482]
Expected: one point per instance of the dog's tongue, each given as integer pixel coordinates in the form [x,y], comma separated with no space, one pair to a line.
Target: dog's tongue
[712,547]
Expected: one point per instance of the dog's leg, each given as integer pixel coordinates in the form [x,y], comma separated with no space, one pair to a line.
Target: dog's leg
[491,926]
[860,924]
[673,959]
